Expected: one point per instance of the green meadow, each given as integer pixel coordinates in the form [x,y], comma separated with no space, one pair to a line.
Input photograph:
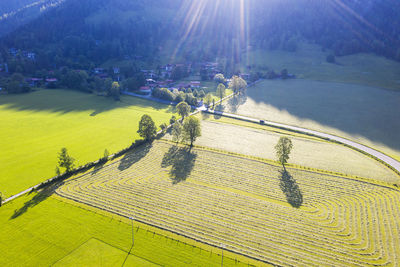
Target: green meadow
[35,126]
[365,114]
[309,62]
[54,232]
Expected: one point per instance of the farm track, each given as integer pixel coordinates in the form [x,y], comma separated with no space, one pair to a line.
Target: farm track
[239,202]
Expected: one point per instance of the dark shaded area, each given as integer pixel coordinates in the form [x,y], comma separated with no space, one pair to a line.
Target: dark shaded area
[182,160]
[98,167]
[134,156]
[37,199]
[58,101]
[364,111]
[220,108]
[236,101]
[291,189]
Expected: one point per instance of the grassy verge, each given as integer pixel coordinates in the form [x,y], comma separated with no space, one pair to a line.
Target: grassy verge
[309,62]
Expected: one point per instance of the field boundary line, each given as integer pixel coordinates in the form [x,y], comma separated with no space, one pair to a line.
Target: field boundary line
[93,208]
[384,159]
[294,166]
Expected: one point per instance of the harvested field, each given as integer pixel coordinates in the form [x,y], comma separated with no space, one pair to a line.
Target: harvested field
[364,114]
[284,217]
[309,152]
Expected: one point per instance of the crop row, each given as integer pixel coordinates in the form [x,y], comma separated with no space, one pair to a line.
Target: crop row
[242,203]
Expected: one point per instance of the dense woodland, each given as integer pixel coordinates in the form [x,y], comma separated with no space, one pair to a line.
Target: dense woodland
[81,35]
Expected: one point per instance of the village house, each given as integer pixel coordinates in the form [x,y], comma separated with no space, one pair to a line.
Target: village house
[99,71]
[149,74]
[195,84]
[34,82]
[145,90]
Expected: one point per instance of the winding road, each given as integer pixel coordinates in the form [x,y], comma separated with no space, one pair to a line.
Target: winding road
[379,155]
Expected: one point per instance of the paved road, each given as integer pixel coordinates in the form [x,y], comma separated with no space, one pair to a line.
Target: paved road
[385,158]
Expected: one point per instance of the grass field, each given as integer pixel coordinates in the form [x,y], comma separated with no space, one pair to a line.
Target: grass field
[309,62]
[284,217]
[35,126]
[228,134]
[360,113]
[42,230]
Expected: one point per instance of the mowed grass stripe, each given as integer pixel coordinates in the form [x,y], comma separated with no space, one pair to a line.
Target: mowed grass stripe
[334,228]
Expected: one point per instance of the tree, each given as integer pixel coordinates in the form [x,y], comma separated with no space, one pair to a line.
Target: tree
[283,148]
[183,109]
[202,94]
[65,160]
[106,154]
[172,120]
[221,90]
[219,78]
[177,132]
[191,129]
[147,127]
[208,99]
[163,127]
[237,84]
[115,90]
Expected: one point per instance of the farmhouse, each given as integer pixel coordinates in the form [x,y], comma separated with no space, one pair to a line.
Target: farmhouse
[195,84]
[145,90]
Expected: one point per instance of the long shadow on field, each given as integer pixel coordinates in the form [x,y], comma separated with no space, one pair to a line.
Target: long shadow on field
[219,108]
[37,199]
[134,156]
[291,189]
[65,101]
[182,160]
[235,102]
[357,110]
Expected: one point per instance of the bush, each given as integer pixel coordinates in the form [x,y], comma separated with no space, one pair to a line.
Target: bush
[163,93]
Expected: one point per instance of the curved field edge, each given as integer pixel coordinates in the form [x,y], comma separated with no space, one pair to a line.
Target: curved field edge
[91,188]
[227,133]
[295,166]
[52,228]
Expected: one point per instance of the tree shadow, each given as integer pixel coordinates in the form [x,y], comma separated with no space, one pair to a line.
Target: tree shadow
[236,101]
[64,101]
[37,199]
[219,108]
[182,161]
[356,110]
[290,188]
[98,167]
[134,156]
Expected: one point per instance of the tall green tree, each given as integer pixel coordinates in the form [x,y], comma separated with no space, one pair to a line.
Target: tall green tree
[115,90]
[183,109]
[191,129]
[237,84]
[283,149]
[221,91]
[208,99]
[65,160]
[147,127]
[219,78]
[177,132]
